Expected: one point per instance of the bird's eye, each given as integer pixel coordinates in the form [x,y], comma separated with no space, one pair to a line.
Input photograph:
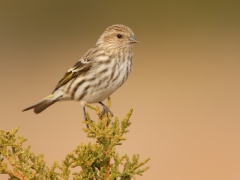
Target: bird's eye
[119,36]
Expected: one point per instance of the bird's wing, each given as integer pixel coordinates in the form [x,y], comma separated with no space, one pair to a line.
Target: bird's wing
[80,68]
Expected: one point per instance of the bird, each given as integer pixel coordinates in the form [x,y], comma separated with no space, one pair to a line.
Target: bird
[98,74]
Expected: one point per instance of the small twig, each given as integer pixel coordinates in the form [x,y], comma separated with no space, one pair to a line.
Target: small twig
[108,165]
[17,174]
[107,149]
[109,102]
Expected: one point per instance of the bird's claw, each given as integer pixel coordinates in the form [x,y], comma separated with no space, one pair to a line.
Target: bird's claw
[107,112]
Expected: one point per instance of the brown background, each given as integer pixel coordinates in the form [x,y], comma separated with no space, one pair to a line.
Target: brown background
[184,88]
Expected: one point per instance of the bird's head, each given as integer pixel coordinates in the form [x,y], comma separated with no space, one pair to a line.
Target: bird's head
[117,37]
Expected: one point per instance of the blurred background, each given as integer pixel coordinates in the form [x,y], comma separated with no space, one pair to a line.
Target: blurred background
[184,87]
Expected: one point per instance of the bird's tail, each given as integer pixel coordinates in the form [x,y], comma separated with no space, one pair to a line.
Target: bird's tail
[43,104]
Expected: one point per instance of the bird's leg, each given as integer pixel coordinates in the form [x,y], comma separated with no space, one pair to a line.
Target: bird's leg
[85,115]
[105,110]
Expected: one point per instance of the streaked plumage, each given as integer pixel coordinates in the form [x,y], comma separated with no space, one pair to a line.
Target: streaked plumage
[100,72]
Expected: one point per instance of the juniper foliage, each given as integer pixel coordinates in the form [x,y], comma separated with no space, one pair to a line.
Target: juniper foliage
[93,161]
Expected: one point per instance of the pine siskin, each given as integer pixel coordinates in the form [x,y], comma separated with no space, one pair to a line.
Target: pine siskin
[99,73]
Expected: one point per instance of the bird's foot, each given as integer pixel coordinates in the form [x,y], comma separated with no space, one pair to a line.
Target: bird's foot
[106,111]
[85,117]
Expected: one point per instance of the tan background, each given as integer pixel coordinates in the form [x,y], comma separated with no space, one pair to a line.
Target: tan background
[184,88]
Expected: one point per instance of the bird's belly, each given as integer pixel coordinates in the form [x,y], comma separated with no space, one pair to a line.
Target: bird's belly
[98,95]
[99,90]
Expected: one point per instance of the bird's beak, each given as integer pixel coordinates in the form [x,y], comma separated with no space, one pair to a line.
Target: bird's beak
[133,40]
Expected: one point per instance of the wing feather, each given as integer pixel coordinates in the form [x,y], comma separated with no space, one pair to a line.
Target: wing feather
[78,69]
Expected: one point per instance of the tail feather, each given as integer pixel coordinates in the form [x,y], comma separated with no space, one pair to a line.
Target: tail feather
[42,105]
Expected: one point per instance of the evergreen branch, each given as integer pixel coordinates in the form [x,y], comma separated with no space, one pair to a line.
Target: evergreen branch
[93,161]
